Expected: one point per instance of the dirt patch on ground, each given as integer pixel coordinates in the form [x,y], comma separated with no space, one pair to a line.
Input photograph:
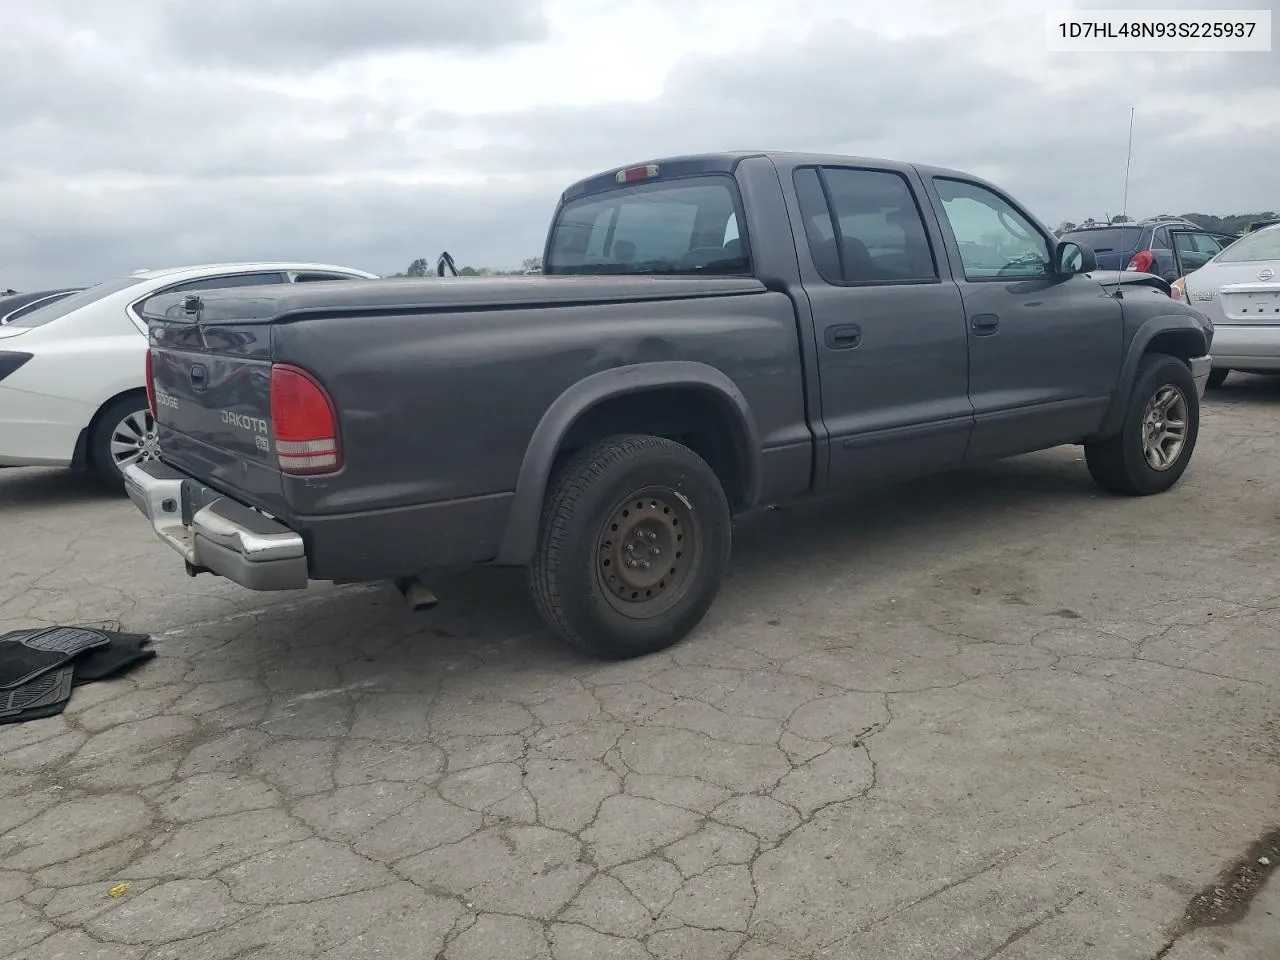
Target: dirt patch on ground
[1227,899]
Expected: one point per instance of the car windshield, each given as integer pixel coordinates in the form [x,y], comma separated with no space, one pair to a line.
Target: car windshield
[1107,240]
[687,226]
[1262,244]
[61,308]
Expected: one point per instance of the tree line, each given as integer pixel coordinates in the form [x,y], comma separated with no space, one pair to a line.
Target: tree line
[1231,223]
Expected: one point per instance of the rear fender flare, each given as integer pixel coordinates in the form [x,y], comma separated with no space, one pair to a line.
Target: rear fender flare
[1149,330]
[520,538]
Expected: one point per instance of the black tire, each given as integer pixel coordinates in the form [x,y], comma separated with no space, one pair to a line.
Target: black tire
[572,576]
[1119,464]
[101,464]
[1217,377]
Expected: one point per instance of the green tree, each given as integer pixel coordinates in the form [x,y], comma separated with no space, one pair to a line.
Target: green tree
[418,268]
[1121,218]
[1230,223]
[531,265]
[1066,226]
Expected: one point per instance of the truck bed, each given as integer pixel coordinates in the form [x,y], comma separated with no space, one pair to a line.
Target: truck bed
[439,385]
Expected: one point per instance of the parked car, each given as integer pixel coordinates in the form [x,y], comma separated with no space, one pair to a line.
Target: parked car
[1259,224]
[19,304]
[685,357]
[72,371]
[1146,246]
[1239,290]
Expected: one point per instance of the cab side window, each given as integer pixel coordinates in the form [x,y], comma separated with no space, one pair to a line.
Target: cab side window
[216,283]
[995,240]
[318,277]
[864,227]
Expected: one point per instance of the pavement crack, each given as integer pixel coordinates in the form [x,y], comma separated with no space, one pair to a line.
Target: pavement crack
[1028,928]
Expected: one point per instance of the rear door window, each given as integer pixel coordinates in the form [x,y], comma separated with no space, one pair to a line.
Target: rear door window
[265,278]
[231,280]
[1192,249]
[317,276]
[880,236]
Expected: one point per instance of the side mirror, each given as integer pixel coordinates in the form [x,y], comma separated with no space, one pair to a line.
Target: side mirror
[1071,258]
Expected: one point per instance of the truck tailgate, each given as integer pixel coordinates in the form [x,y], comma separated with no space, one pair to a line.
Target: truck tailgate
[212,385]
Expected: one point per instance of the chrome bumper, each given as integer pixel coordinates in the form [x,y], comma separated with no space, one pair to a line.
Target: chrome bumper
[1200,367]
[221,536]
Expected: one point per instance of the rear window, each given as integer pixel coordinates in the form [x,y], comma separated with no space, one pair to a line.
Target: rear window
[54,311]
[1108,240]
[1261,245]
[680,226]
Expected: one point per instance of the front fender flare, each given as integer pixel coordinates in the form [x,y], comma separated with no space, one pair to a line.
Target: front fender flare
[1149,330]
[520,538]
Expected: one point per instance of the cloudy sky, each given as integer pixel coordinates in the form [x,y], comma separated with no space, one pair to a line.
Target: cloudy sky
[147,133]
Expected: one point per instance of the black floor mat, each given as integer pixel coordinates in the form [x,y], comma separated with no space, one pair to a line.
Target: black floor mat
[45,696]
[125,651]
[39,668]
[25,654]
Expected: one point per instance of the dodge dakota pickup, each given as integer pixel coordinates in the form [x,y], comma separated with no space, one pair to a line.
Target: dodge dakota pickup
[710,334]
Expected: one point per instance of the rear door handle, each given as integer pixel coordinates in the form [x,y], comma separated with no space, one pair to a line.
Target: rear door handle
[984,324]
[844,336]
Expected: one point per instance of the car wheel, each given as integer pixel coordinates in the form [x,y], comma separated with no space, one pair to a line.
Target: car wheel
[633,546]
[1161,424]
[1217,377]
[124,433]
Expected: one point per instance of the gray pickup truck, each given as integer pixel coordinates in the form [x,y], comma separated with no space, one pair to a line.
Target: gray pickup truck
[710,334]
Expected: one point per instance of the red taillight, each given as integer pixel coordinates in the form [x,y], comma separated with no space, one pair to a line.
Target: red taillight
[304,423]
[632,174]
[1142,261]
[151,386]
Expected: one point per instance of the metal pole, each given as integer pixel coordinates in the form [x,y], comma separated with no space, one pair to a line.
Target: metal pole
[1127,160]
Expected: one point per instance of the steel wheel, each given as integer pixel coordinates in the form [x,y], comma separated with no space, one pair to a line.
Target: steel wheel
[647,553]
[1164,427]
[134,440]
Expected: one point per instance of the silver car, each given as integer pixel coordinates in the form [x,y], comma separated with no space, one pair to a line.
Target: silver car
[1239,290]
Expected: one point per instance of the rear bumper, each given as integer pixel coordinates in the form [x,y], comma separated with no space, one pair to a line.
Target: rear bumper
[215,533]
[1200,367]
[1246,347]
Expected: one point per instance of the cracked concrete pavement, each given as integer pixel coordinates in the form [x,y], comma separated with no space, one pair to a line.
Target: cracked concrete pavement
[993,714]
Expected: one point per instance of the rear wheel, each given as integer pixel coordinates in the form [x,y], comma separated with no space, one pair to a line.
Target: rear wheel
[1217,377]
[633,547]
[124,433]
[1161,424]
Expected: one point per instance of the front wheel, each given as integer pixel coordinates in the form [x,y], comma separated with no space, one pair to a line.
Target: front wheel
[1161,424]
[633,547]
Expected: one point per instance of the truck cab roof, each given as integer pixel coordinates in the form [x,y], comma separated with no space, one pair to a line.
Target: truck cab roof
[726,162]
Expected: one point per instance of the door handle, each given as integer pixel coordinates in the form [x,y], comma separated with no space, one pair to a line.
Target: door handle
[199,376]
[844,336]
[984,324]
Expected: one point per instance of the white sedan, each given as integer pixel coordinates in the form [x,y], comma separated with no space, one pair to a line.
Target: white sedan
[1239,290]
[73,373]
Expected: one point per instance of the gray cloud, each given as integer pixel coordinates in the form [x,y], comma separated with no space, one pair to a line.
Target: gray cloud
[1062,147]
[283,34]
[380,226]
[216,165]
